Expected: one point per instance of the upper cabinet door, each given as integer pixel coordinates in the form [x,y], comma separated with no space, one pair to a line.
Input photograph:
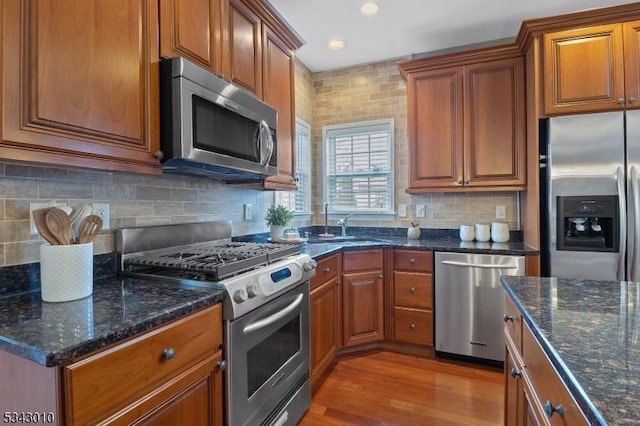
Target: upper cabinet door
[584,70]
[80,83]
[191,29]
[435,117]
[279,92]
[245,34]
[495,129]
[632,63]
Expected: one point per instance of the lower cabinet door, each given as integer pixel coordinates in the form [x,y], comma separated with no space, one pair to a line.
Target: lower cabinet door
[325,326]
[363,307]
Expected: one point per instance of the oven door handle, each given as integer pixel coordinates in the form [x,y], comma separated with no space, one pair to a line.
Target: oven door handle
[275,317]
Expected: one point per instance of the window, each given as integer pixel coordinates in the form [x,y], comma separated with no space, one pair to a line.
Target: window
[300,201]
[358,166]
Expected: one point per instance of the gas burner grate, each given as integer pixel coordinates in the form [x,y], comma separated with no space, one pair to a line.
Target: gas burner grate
[218,260]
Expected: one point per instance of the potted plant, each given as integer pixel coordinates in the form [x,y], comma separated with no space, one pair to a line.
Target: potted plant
[278,216]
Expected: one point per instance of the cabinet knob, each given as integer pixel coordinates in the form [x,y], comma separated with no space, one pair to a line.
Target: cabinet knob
[381,276]
[621,101]
[326,270]
[549,409]
[515,373]
[412,326]
[222,365]
[412,290]
[159,155]
[632,100]
[412,260]
[459,181]
[467,181]
[507,318]
[168,353]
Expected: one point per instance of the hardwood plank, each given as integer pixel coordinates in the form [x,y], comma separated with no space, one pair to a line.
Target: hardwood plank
[386,388]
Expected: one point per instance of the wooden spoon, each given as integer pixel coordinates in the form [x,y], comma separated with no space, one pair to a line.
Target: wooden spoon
[59,225]
[89,228]
[40,219]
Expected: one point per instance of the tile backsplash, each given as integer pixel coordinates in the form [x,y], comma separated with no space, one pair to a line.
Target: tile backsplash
[364,92]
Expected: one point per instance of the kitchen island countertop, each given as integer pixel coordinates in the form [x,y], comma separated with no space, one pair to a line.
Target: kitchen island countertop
[54,334]
[590,330]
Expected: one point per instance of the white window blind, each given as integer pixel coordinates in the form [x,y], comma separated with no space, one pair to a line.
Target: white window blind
[300,201]
[359,167]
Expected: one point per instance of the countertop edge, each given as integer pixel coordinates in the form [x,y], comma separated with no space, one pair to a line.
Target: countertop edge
[592,414]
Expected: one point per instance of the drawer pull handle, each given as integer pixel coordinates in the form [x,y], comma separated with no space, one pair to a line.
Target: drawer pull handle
[549,409]
[515,373]
[507,318]
[412,290]
[412,326]
[222,365]
[327,270]
[169,353]
[412,260]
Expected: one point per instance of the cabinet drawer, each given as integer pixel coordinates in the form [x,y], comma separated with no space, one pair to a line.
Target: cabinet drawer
[547,384]
[364,260]
[107,382]
[412,260]
[413,325]
[513,323]
[327,269]
[412,290]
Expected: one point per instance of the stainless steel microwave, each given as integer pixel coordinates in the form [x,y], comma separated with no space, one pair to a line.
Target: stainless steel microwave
[209,127]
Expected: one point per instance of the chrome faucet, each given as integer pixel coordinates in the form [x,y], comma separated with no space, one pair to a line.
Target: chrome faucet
[343,222]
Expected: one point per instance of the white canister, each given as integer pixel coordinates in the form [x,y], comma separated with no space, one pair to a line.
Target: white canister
[499,232]
[483,232]
[467,233]
[66,272]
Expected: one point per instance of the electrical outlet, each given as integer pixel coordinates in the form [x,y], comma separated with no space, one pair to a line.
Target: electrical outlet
[402,210]
[101,210]
[248,212]
[33,229]
[501,212]
[420,210]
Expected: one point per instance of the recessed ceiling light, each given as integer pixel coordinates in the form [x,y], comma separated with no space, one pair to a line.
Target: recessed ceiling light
[369,8]
[336,44]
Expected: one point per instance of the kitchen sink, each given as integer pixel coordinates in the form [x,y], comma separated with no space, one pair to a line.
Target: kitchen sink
[341,239]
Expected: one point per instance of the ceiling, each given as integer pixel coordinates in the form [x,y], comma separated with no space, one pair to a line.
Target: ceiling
[404,27]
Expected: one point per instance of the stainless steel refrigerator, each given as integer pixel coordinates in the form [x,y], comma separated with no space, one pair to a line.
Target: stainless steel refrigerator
[590,199]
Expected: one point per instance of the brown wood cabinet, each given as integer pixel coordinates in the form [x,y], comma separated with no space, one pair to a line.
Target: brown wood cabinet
[80,83]
[245,47]
[413,296]
[533,388]
[592,68]
[326,315]
[466,118]
[363,299]
[193,29]
[170,375]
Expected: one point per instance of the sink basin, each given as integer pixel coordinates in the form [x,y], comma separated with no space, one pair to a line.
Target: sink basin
[341,239]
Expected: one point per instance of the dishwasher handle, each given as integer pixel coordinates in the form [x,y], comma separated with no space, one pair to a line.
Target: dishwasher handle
[478,265]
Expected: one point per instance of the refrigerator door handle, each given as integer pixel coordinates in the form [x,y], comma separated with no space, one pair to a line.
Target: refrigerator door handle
[636,236]
[623,223]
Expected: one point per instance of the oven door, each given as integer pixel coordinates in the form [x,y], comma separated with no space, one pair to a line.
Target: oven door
[267,353]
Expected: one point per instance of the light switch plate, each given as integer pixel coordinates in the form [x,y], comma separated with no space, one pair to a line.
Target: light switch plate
[402,210]
[420,210]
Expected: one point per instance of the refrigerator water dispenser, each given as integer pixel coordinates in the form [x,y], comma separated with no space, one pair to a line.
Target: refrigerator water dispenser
[588,223]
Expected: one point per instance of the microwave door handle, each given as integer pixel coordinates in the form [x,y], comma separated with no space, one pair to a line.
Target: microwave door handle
[265,141]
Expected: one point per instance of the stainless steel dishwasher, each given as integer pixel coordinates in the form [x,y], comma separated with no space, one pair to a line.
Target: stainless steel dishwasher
[469,303]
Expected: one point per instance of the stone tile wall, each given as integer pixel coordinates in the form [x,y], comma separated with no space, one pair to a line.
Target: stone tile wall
[376,91]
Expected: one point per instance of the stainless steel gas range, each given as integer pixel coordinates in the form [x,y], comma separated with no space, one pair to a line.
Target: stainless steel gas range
[265,312]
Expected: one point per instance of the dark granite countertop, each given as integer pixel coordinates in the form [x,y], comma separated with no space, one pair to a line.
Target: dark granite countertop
[590,330]
[320,250]
[55,333]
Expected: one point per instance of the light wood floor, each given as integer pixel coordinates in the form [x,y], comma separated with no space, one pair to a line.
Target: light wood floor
[384,388]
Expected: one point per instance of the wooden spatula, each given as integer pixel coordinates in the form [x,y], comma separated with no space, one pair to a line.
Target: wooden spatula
[59,225]
[89,228]
[40,219]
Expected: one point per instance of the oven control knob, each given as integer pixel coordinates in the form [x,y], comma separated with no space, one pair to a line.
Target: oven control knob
[309,266]
[252,290]
[240,295]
